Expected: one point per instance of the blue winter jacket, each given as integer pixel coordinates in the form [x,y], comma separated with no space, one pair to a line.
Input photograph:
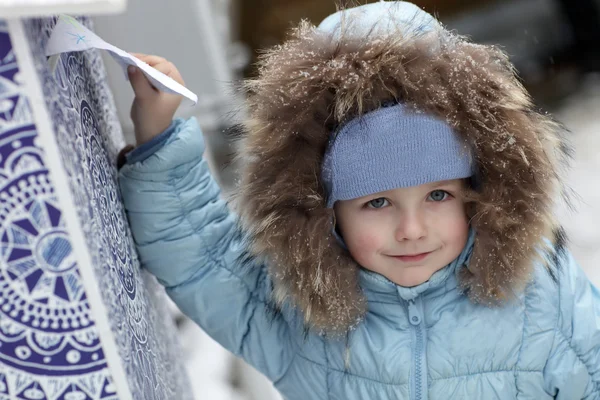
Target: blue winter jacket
[425,342]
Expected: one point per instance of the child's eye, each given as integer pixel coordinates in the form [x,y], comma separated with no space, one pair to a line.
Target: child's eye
[438,195]
[377,203]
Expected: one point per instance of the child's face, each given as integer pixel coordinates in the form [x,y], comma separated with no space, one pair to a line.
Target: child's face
[406,234]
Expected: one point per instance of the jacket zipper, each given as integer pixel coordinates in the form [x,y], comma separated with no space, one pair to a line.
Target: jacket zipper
[419,381]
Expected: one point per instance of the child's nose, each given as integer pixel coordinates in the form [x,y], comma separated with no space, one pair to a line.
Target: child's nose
[411,226]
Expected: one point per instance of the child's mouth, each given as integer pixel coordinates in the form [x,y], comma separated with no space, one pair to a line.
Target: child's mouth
[412,257]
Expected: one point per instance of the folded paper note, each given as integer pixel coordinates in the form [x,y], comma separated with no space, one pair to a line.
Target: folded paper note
[70,35]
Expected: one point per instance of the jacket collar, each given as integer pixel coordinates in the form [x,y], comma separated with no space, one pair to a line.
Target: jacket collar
[379,288]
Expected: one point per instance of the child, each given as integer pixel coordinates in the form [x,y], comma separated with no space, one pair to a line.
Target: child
[396,235]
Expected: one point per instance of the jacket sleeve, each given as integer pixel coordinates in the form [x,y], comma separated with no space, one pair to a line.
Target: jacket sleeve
[188,239]
[573,368]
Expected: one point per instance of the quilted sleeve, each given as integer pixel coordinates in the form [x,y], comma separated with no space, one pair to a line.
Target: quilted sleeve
[573,369]
[187,237]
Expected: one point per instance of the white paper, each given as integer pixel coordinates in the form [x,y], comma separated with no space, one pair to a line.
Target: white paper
[70,35]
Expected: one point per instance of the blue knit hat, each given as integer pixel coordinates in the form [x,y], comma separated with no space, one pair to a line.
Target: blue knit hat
[389,148]
[393,146]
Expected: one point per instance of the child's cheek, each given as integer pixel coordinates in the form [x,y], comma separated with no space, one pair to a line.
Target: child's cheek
[456,229]
[364,245]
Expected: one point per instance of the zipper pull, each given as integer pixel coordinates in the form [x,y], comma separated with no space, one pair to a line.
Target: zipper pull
[414,316]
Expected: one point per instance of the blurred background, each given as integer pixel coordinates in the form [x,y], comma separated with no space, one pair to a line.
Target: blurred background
[554,44]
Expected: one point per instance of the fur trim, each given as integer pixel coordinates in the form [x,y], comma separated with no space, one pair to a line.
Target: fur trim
[312,84]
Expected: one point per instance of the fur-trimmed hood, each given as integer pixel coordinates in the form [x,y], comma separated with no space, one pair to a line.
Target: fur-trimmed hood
[314,82]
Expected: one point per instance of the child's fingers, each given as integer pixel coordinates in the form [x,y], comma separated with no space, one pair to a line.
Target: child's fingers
[150,59]
[140,84]
[169,69]
[161,64]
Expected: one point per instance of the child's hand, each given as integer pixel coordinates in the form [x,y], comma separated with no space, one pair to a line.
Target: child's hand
[152,110]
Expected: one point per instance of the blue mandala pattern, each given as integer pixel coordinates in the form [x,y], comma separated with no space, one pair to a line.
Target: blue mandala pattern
[49,346]
[86,124]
